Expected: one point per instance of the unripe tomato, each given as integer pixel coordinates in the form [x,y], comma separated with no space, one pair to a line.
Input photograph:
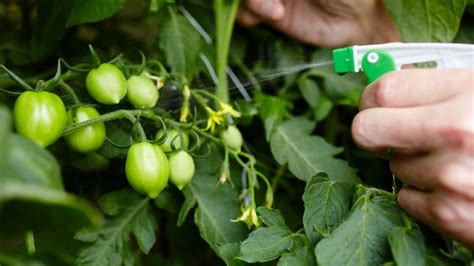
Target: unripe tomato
[173,134]
[142,92]
[181,168]
[87,139]
[40,116]
[147,169]
[106,84]
[232,138]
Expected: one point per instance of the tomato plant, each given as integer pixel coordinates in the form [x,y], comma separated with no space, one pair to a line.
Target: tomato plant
[232,137]
[87,139]
[142,93]
[40,116]
[147,169]
[164,177]
[173,140]
[181,168]
[106,84]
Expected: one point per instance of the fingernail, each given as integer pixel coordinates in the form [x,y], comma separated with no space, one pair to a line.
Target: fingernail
[273,9]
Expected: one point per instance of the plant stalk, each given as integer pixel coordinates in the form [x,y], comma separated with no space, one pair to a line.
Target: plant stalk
[225,14]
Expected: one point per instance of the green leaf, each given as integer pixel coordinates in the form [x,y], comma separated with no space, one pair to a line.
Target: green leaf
[272,110]
[229,252]
[426,21]
[436,258]
[362,238]
[217,204]
[310,90]
[407,245]
[31,191]
[300,254]
[265,244]
[41,166]
[180,42]
[26,206]
[271,217]
[327,203]
[308,155]
[167,201]
[129,213]
[188,205]
[85,11]
[323,108]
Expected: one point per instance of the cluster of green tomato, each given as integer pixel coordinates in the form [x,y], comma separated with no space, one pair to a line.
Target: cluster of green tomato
[41,116]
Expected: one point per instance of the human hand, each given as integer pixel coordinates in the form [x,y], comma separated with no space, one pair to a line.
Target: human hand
[428,115]
[330,23]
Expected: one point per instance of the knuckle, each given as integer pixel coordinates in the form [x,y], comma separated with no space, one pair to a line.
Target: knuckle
[444,174]
[460,139]
[443,213]
[458,178]
[453,215]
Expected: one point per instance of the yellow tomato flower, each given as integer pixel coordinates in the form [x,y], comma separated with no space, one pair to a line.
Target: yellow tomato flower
[215,118]
[228,109]
[249,217]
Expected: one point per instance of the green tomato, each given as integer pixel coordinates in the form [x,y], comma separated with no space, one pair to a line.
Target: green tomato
[87,139]
[173,134]
[142,92]
[181,168]
[147,169]
[106,84]
[40,116]
[232,138]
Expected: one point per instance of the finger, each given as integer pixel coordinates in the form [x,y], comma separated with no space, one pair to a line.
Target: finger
[415,203]
[446,213]
[410,130]
[267,9]
[248,18]
[442,170]
[416,171]
[414,87]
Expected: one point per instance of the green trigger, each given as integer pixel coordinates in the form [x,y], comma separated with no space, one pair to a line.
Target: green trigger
[376,63]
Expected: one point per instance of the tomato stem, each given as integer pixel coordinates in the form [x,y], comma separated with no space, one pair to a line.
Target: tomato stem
[19,80]
[199,99]
[119,114]
[225,14]
[68,89]
[94,55]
